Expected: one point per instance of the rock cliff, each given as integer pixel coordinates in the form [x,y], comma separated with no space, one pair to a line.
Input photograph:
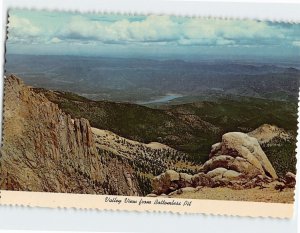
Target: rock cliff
[45,150]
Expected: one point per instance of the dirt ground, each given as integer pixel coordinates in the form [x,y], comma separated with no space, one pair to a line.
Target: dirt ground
[254,194]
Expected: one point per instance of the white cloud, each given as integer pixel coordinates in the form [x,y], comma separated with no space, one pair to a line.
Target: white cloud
[153,29]
[296,43]
[55,40]
[194,31]
[230,29]
[22,28]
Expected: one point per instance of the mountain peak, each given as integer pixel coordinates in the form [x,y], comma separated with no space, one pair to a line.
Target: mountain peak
[14,78]
[266,132]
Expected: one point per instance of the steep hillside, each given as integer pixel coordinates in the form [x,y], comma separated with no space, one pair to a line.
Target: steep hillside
[45,150]
[183,132]
[191,128]
[152,158]
[147,160]
[242,113]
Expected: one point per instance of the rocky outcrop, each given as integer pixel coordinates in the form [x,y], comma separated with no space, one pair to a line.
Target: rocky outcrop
[166,182]
[238,161]
[241,153]
[171,181]
[45,150]
[266,133]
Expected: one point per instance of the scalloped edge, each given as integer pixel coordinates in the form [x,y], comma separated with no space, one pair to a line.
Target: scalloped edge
[218,208]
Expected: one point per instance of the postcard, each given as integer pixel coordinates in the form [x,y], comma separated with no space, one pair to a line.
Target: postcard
[150,113]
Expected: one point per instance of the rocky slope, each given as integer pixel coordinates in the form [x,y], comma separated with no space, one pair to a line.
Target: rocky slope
[268,133]
[45,150]
[147,160]
[152,158]
[237,162]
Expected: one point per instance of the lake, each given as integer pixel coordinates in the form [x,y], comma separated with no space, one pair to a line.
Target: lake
[161,99]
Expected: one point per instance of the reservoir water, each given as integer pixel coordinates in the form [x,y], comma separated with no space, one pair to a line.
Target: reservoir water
[161,99]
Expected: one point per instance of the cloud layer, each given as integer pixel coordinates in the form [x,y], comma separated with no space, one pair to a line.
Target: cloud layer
[144,31]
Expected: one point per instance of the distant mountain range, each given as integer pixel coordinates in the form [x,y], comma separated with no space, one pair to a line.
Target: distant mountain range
[135,80]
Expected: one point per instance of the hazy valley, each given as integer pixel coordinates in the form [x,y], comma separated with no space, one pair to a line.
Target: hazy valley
[143,80]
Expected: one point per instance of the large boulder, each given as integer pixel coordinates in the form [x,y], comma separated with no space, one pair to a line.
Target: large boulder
[241,153]
[202,179]
[185,180]
[171,180]
[165,182]
[216,162]
[218,172]
[231,175]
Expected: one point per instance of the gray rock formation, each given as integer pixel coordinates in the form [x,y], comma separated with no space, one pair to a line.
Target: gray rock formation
[238,161]
[241,153]
[45,150]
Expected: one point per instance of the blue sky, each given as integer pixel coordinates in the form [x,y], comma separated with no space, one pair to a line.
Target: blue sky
[63,33]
